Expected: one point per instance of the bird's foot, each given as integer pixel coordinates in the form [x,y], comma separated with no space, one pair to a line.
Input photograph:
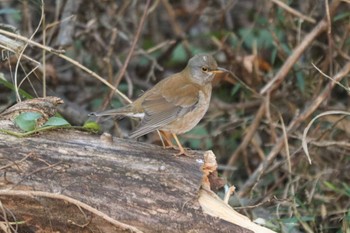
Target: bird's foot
[183,152]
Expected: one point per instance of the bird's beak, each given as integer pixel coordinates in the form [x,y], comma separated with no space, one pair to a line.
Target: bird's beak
[220,70]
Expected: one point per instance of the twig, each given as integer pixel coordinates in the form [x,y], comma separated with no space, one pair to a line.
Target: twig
[270,121]
[60,54]
[293,58]
[306,130]
[23,178]
[253,206]
[338,144]
[27,76]
[329,37]
[127,60]
[43,51]
[160,45]
[252,129]
[15,162]
[76,202]
[31,42]
[127,77]
[297,52]
[195,17]
[285,137]
[25,56]
[6,226]
[327,76]
[298,216]
[175,24]
[110,50]
[325,93]
[66,22]
[18,97]
[294,12]
[296,122]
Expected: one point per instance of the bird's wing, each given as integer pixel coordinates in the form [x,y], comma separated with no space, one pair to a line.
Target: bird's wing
[165,104]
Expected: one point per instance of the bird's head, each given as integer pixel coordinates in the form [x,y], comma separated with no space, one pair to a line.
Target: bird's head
[202,68]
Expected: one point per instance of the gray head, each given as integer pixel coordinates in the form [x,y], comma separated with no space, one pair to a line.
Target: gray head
[203,68]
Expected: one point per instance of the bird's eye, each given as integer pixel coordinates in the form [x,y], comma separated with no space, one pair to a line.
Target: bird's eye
[205,69]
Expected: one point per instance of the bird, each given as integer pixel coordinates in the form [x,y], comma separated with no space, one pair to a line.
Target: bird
[177,103]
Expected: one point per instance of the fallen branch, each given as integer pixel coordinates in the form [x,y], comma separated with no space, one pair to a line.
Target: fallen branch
[125,186]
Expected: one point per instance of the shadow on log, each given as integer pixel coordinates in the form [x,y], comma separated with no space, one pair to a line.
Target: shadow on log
[72,181]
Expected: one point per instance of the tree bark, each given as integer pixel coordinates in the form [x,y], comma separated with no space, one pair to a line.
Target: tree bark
[72,181]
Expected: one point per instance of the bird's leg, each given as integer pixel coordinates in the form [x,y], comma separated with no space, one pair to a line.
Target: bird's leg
[161,137]
[166,141]
[182,150]
[165,138]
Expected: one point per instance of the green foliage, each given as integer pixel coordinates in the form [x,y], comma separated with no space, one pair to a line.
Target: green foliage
[123,87]
[96,103]
[27,121]
[143,61]
[148,43]
[92,126]
[262,37]
[235,89]
[200,137]
[56,121]
[10,86]
[291,224]
[343,190]
[342,16]
[300,81]
[179,54]
[295,220]
[15,14]
[234,40]
[346,189]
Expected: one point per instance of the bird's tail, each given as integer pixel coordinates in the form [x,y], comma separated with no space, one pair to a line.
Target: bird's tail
[124,111]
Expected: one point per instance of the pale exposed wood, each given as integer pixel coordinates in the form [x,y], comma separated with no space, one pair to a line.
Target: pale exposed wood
[214,206]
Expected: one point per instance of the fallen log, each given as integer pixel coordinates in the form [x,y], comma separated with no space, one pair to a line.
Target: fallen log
[72,181]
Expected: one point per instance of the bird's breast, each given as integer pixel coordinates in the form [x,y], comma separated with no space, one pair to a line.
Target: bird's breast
[192,118]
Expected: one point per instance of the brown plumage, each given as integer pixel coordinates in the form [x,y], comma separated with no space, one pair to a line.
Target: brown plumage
[177,103]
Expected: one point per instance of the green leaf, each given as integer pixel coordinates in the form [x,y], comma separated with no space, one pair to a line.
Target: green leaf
[92,126]
[201,137]
[179,54]
[56,121]
[10,11]
[235,89]
[10,86]
[330,185]
[261,37]
[346,189]
[300,81]
[334,187]
[27,121]
[274,53]
[234,40]
[341,16]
